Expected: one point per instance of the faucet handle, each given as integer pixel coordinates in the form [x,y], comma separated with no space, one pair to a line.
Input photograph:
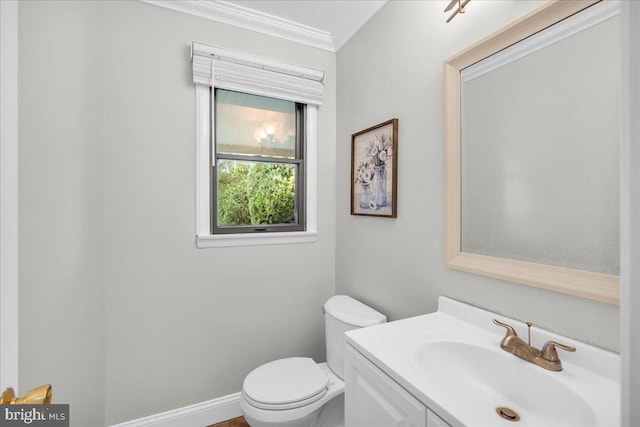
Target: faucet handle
[549,350]
[510,331]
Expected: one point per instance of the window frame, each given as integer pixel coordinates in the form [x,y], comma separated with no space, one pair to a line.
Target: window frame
[299,161]
[203,57]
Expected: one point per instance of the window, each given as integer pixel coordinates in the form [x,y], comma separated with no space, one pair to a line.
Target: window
[258,165]
[256,149]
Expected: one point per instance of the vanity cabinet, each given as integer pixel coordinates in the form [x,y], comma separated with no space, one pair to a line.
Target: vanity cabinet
[373,399]
[435,421]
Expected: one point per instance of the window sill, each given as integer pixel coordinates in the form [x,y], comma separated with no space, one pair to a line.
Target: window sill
[230,240]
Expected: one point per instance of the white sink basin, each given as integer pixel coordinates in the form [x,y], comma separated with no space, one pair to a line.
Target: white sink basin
[452,362]
[485,379]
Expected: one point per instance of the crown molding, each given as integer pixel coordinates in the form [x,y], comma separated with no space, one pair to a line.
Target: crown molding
[229,13]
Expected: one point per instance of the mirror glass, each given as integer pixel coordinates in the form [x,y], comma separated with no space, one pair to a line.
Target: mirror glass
[539,149]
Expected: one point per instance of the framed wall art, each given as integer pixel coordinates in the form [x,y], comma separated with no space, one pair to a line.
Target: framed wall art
[374,170]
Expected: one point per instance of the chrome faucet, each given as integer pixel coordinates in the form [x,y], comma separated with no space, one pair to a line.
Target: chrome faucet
[546,358]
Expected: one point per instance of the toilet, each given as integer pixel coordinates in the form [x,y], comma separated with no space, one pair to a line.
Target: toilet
[297,391]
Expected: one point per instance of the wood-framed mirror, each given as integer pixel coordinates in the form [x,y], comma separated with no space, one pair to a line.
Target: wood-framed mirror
[579,252]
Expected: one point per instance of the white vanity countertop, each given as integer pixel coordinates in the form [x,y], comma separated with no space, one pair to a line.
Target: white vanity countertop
[586,392]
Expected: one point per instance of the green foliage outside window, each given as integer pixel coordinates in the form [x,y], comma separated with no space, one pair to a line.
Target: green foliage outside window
[255,193]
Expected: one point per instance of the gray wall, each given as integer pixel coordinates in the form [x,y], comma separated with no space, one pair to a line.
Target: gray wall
[136,319]
[393,68]
[61,208]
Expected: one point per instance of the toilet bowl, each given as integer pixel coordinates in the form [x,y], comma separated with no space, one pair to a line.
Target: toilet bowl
[269,399]
[297,391]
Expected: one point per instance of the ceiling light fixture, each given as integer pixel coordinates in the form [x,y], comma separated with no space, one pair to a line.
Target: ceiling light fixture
[461,5]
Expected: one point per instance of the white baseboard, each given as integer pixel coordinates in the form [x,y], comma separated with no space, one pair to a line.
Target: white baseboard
[198,415]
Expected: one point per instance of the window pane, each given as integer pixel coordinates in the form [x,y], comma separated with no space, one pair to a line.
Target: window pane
[251,124]
[254,193]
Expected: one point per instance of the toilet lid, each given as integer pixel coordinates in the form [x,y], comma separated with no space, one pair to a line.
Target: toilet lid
[285,382]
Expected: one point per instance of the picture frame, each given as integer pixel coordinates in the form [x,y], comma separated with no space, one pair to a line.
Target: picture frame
[374,170]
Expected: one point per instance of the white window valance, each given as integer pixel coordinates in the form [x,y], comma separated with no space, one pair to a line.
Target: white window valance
[227,69]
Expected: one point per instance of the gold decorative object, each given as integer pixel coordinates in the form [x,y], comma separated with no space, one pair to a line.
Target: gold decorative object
[38,396]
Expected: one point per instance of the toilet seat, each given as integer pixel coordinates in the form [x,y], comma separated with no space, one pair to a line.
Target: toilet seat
[281,407]
[283,384]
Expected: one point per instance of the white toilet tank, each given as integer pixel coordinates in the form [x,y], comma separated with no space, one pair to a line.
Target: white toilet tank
[341,314]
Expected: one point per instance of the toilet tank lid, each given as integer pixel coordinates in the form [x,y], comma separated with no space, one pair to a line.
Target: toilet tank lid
[353,312]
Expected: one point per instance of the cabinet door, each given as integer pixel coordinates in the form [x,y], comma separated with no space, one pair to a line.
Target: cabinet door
[434,420]
[372,399]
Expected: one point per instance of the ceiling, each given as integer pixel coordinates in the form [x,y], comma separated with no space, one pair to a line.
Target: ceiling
[326,24]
